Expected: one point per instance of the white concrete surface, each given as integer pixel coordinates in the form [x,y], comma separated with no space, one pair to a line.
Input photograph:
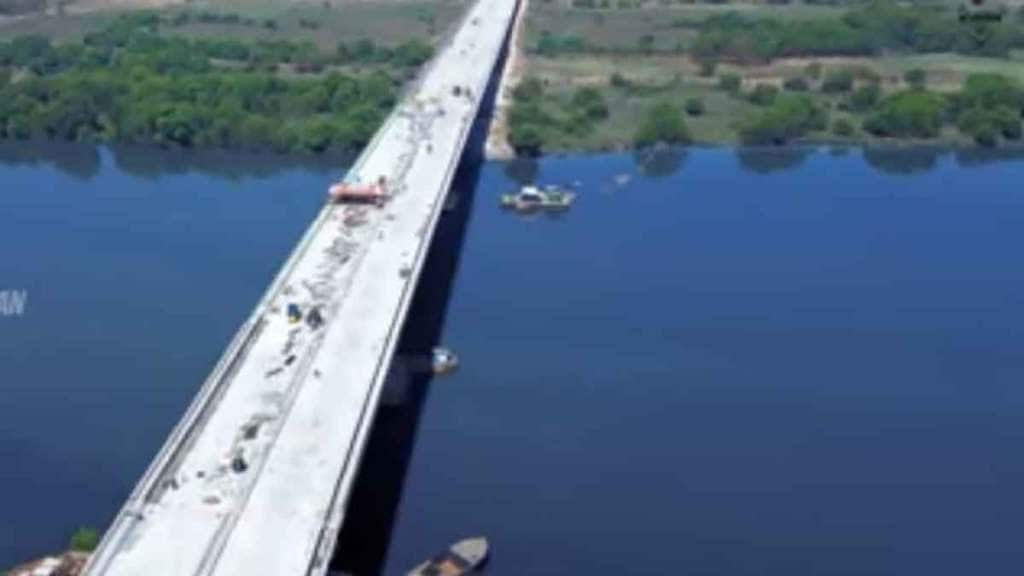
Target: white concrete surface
[297,402]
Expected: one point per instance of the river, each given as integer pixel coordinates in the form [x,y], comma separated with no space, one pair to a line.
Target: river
[761,362]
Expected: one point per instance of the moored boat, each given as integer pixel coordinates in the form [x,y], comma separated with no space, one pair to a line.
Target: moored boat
[464,557]
[532,198]
[443,360]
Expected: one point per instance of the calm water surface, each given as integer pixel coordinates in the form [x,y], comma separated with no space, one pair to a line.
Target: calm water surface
[758,363]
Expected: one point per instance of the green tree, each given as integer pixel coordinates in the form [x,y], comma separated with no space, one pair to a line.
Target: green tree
[589,103]
[85,540]
[694,106]
[989,91]
[730,83]
[526,139]
[911,113]
[791,116]
[843,128]
[837,81]
[916,78]
[865,97]
[662,123]
[763,94]
[530,88]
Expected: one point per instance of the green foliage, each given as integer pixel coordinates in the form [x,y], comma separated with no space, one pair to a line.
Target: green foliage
[865,97]
[662,123]
[707,68]
[529,89]
[763,94]
[911,113]
[989,91]
[409,54]
[556,44]
[126,83]
[843,128]
[791,116]
[916,78]
[694,106]
[85,540]
[617,80]
[837,81]
[874,27]
[589,103]
[796,84]
[985,125]
[730,83]
[813,70]
[645,45]
[526,119]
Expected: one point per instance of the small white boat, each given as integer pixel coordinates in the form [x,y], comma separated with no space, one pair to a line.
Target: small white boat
[464,557]
[443,360]
[532,198]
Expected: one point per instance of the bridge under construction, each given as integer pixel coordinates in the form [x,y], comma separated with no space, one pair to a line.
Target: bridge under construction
[255,478]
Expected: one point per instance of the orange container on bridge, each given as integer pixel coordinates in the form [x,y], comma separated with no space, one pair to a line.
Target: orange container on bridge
[353,193]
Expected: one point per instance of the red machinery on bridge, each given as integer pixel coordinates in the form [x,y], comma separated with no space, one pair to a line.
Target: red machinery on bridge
[359,193]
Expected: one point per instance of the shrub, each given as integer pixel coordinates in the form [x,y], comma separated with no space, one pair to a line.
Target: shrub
[865,97]
[730,83]
[589,102]
[790,116]
[796,84]
[85,540]
[619,81]
[916,78]
[989,91]
[763,94]
[837,81]
[813,70]
[986,136]
[911,113]
[984,124]
[707,68]
[663,123]
[842,127]
[694,106]
[530,89]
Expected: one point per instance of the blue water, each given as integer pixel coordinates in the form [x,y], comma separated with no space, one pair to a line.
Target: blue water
[737,364]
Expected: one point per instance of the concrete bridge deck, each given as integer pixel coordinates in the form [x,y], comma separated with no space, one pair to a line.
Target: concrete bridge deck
[255,478]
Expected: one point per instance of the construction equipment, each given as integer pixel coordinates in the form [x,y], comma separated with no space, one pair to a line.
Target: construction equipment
[358,193]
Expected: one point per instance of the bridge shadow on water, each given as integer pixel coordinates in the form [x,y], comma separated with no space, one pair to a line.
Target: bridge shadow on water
[366,533]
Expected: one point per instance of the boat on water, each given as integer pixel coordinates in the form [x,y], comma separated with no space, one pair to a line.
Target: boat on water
[464,557]
[443,360]
[533,198]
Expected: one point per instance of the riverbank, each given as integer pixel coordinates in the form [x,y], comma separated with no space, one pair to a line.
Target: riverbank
[792,81]
[210,80]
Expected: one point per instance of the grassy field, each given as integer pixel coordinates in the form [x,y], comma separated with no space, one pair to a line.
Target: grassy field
[670,75]
[387,22]
[676,78]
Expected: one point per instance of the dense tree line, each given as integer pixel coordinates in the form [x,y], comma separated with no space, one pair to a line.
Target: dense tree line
[989,107]
[127,83]
[879,26]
